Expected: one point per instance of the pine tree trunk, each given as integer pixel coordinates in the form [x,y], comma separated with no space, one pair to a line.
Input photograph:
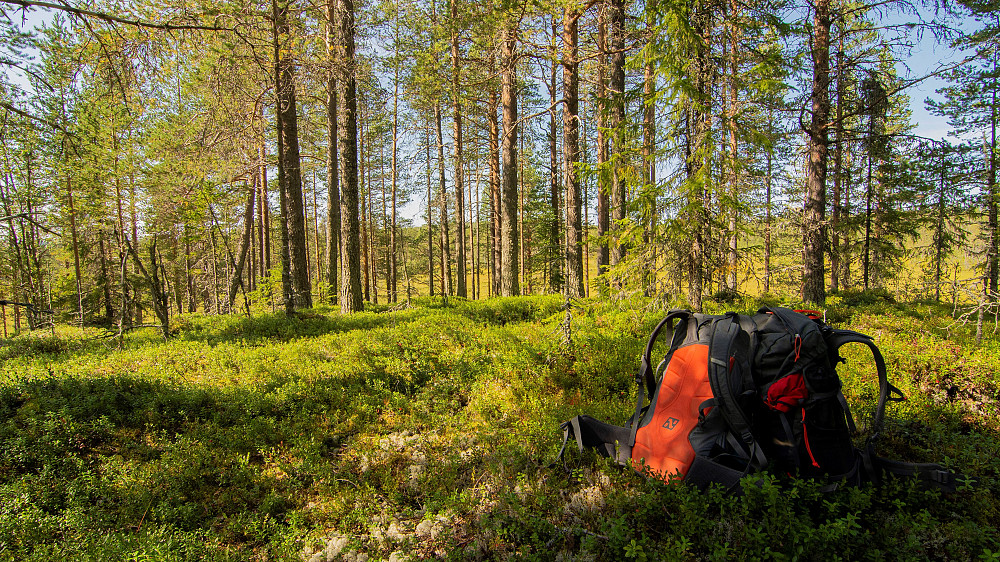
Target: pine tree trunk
[76,248]
[445,254]
[616,119]
[393,243]
[555,256]
[333,226]
[838,172]
[287,290]
[525,283]
[363,184]
[698,168]
[732,257]
[347,143]
[939,227]
[265,215]
[571,154]
[291,169]
[385,225]
[814,229]
[993,192]
[603,188]
[461,288]
[510,251]
[496,214]
[430,214]
[649,211]
[767,221]
[866,265]
[109,311]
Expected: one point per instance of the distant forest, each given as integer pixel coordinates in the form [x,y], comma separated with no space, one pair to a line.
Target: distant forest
[174,157]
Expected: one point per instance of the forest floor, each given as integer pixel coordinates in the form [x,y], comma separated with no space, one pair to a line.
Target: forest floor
[427,431]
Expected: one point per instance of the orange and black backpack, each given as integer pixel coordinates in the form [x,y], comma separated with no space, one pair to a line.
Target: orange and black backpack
[737,393]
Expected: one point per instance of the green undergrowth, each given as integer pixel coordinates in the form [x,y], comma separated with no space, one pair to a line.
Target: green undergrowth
[426,432]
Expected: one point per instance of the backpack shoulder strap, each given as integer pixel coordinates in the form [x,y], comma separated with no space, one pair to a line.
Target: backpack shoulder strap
[646,374]
[723,359]
[646,377]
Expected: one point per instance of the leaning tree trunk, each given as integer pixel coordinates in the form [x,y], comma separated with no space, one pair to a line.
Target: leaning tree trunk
[160,292]
[237,279]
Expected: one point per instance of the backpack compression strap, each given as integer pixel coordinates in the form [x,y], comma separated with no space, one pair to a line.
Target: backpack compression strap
[886,391]
[930,475]
[875,467]
[594,434]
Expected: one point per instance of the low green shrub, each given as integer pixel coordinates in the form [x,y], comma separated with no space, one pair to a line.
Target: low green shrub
[428,430]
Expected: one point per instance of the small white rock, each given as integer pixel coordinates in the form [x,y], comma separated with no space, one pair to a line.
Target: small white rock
[423,529]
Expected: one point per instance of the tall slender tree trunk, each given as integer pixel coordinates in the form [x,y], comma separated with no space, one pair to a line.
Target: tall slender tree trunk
[603,187]
[616,119]
[430,213]
[445,254]
[510,251]
[189,292]
[585,231]
[866,265]
[496,213]
[939,226]
[571,153]
[649,210]
[393,228]
[121,236]
[838,171]
[76,248]
[347,143]
[333,226]
[993,192]
[768,178]
[813,225]
[363,185]
[475,237]
[522,260]
[732,257]
[385,227]
[287,290]
[109,311]
[698,163]
[265,213]
[555,255]
[292,174]
[460,287]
